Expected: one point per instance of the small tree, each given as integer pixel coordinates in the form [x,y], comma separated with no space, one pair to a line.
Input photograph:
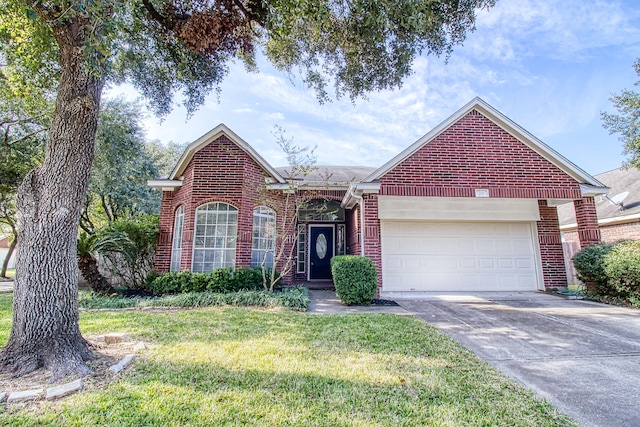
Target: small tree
[291,200]
[627,122]
[132,260]
[89,246]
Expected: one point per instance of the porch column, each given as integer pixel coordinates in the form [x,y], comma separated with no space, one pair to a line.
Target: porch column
[587,220]
[551,253]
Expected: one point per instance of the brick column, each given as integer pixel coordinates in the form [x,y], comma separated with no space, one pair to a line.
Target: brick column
[587,219]
[371,234]
[551,253]
[162,260]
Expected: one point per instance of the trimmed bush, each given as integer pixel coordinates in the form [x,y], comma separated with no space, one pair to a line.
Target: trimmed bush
[622,268]
[220,280]
[355,278]
[589,263]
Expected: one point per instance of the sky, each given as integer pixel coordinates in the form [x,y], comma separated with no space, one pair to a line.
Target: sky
[550,66]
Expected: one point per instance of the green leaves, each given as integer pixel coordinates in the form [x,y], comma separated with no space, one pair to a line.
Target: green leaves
[627,122]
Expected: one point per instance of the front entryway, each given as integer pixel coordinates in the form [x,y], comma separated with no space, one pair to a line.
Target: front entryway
[320,251]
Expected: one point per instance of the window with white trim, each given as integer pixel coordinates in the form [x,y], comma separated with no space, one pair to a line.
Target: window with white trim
[176,245]
[302,240]
[214,241]
[263,239]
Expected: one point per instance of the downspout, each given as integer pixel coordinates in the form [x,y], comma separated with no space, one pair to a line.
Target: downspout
[360,200]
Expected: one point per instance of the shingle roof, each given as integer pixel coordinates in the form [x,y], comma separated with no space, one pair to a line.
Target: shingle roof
[331,174]
[619,180]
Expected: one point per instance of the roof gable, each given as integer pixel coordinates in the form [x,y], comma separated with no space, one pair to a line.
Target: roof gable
[507,125]
[211,136]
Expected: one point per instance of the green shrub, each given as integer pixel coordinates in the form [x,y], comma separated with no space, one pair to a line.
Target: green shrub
[622,268]
[130,262]
[171,283]
[220,280]
[589,263]
[247,278]
[355,278]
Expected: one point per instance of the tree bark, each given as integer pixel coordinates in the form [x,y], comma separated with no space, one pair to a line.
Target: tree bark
[45,331]
[5,263]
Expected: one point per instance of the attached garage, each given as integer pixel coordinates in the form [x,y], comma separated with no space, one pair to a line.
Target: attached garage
[451,245]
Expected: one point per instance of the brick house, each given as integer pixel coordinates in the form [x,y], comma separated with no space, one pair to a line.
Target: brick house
[470,206]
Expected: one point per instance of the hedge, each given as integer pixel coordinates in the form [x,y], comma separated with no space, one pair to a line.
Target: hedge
[220,280]
[355,279]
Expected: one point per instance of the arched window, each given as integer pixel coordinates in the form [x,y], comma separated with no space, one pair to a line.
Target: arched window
[263,241]
[176,245]
[214,241]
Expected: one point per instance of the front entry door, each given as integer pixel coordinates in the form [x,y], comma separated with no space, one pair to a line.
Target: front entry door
[320,252]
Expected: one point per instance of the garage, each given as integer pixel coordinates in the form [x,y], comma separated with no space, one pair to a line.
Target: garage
[468,252]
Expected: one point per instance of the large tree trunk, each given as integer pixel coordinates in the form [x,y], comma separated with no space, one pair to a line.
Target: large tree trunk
[5,263]
[45,331]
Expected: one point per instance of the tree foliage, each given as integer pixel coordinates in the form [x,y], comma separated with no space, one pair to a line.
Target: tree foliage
[164,47]
[123,163]
[626,122]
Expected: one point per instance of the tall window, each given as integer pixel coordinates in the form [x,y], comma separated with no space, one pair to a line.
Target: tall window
[214,242]
[302,240]
[264,236]
[176,245]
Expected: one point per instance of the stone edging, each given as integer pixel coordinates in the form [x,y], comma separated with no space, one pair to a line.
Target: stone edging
[75,386]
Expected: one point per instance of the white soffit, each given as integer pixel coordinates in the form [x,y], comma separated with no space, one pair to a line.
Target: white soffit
[406,208]
[506,124]
[164,184]
[211,136]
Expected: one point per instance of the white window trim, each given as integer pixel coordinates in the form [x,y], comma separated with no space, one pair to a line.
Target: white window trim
[176,240]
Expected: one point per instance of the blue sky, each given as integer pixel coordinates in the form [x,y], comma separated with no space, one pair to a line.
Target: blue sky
[551,66]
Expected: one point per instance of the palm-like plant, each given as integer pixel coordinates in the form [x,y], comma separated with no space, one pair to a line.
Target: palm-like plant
[88,246]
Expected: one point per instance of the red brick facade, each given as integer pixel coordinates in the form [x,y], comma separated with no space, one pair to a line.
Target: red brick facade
[473,153]
[587,220]
[550,242]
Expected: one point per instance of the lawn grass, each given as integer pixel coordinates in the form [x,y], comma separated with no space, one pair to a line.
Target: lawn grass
[240,366]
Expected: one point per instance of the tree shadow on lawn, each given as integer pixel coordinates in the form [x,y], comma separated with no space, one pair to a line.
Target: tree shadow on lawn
[188,393]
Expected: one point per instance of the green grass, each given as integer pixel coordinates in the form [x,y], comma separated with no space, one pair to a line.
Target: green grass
[11,273]
[239,366]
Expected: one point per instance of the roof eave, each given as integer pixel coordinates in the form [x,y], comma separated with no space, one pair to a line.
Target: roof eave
[164,184]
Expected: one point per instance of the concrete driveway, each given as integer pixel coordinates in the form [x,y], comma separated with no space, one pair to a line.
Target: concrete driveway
[583,357]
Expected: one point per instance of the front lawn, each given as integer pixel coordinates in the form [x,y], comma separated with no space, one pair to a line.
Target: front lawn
[239,366]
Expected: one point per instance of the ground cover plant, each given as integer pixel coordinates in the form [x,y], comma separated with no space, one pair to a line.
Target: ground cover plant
[239,366]
[291,298]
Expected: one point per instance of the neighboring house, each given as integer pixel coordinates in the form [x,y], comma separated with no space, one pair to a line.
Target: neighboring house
[618,213]
[4,250]
[471,206]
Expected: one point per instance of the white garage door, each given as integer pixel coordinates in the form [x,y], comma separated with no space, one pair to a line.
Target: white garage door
[463,256]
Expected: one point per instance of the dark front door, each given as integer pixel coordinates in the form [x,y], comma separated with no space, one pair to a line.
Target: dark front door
[320,252]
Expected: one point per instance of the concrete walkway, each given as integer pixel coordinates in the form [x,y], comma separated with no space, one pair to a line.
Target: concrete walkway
[6,286]
[583,357]
[326,302]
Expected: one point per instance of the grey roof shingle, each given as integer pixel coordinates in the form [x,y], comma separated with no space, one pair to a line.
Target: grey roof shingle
[619,180]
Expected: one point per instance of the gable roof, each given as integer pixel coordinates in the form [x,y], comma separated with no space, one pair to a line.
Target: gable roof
[211,136]
[619,180]
[590,184]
